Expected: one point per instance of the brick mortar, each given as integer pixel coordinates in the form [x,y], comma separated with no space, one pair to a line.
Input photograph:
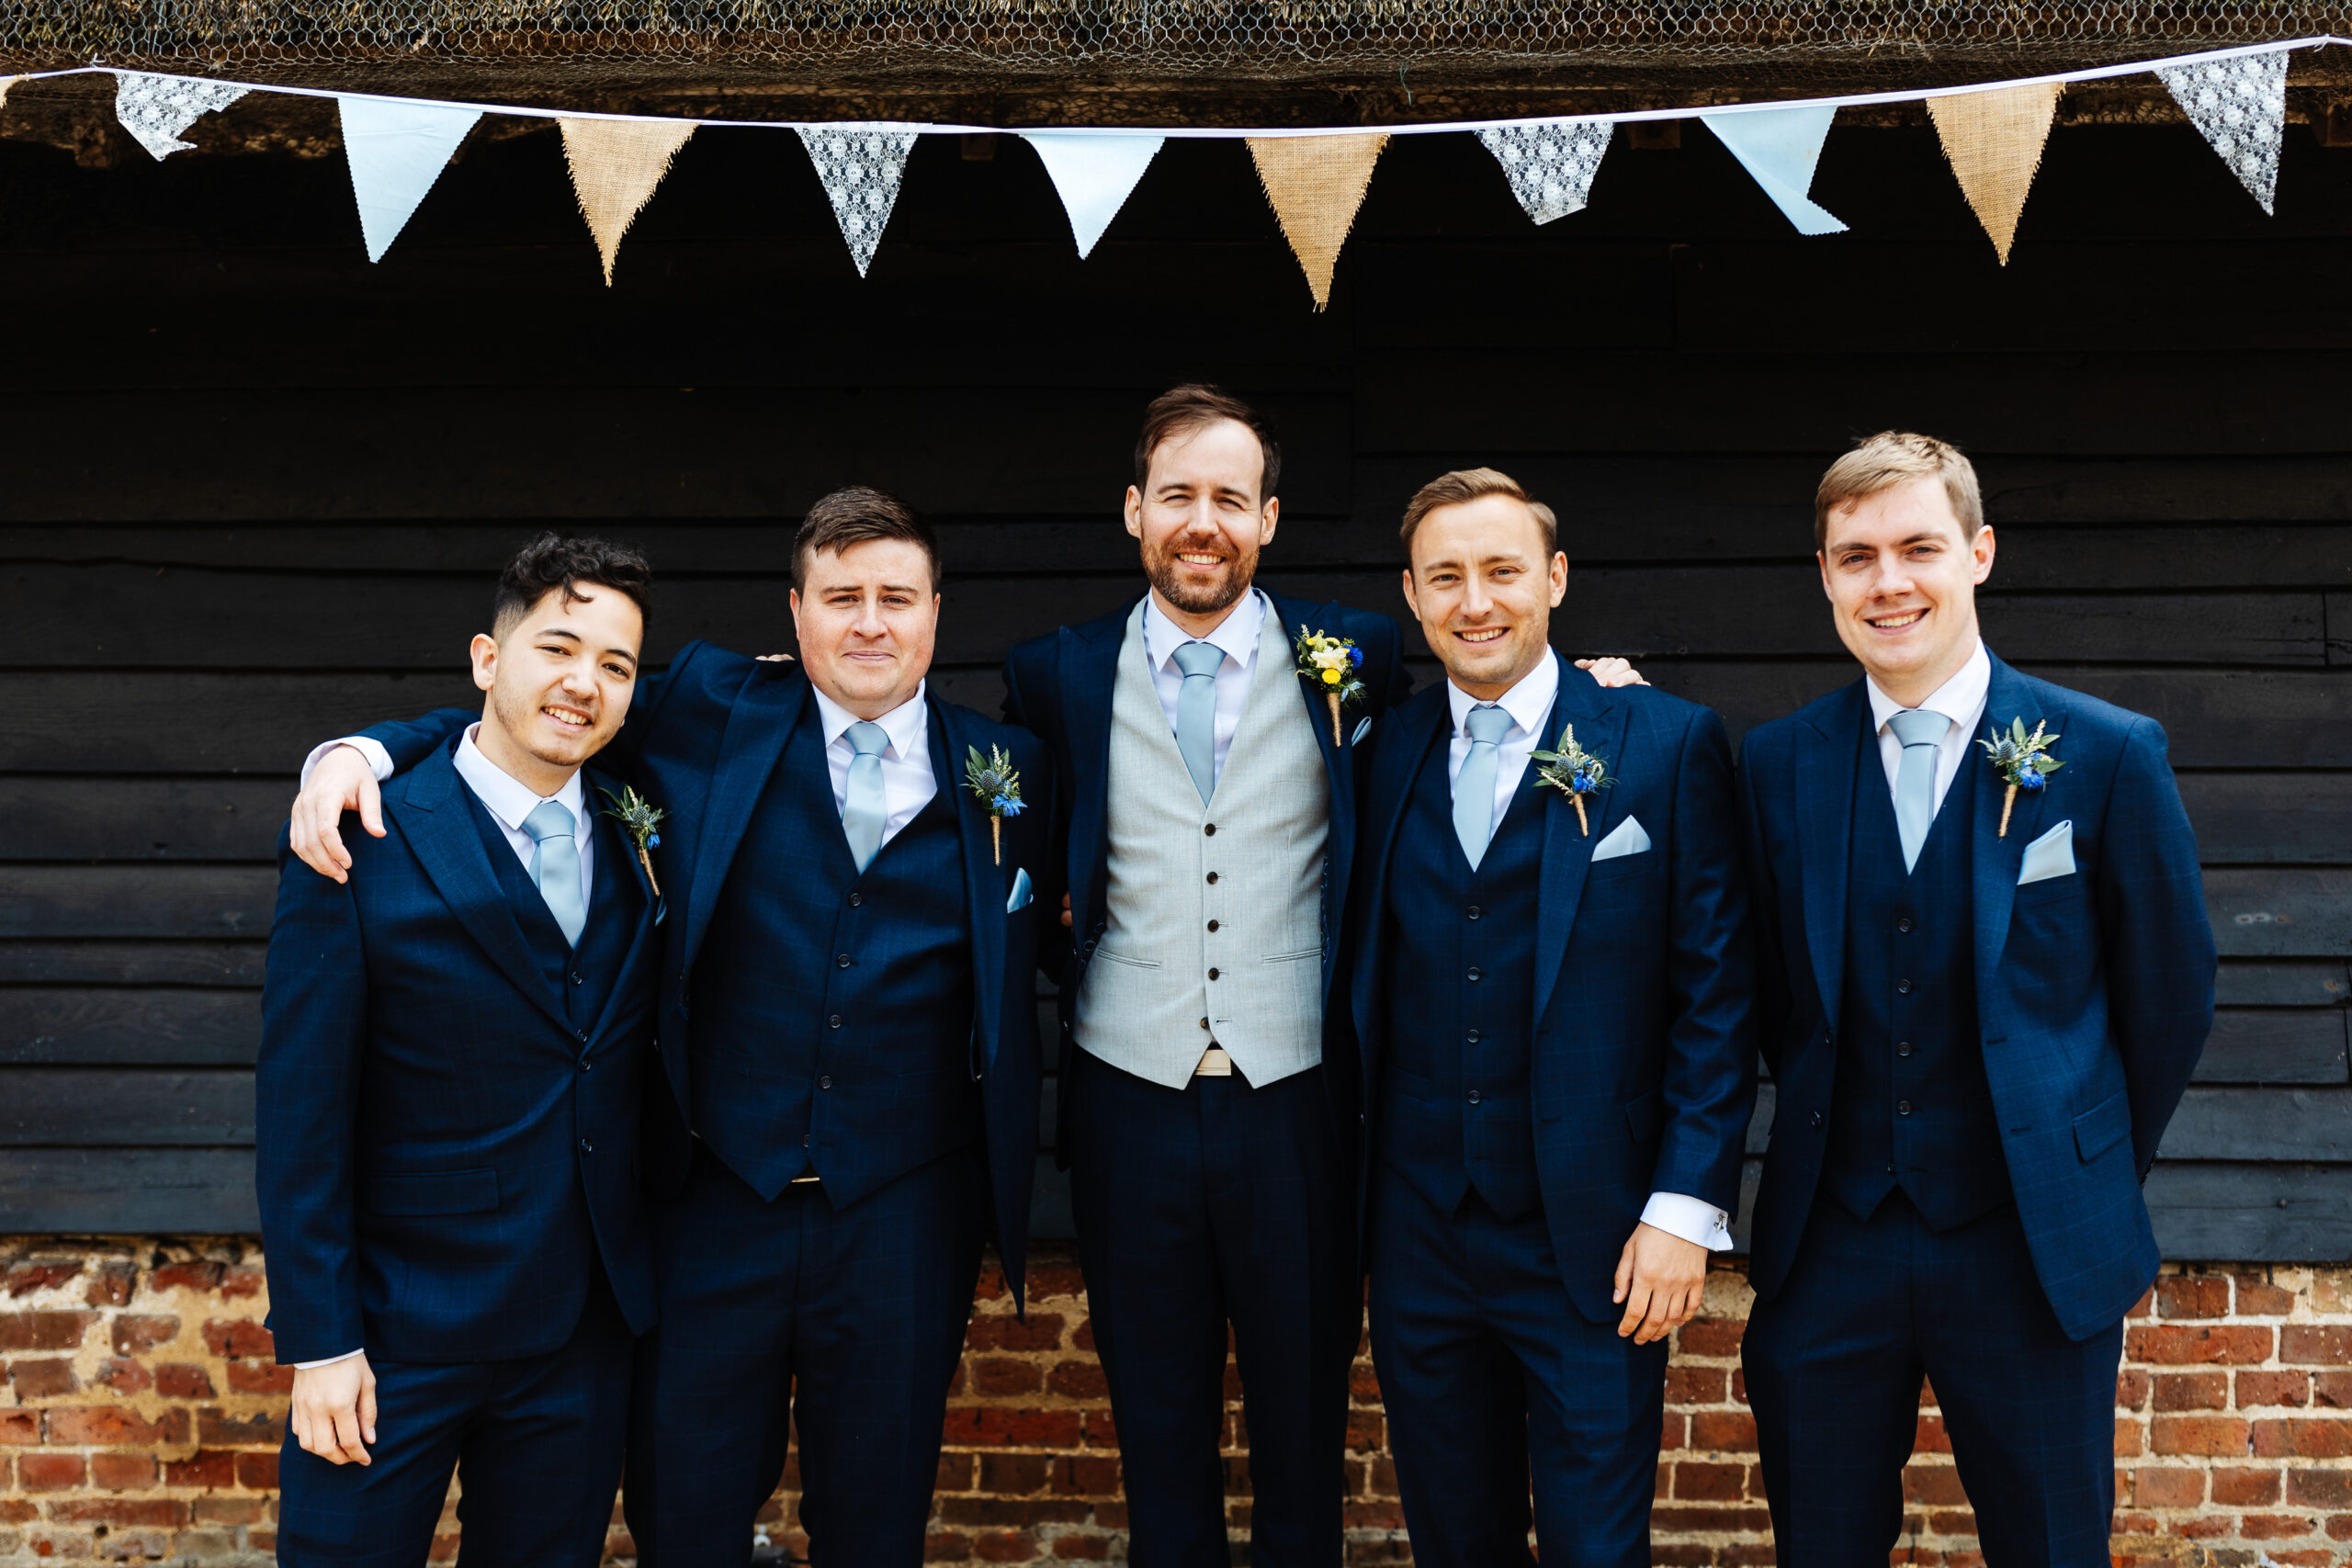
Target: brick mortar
[140,1414]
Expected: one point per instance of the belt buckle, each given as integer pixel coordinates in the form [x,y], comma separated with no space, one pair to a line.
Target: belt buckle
[1214,1063]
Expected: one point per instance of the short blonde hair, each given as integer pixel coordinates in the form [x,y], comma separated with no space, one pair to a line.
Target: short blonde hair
[1472,484]
[1894,457]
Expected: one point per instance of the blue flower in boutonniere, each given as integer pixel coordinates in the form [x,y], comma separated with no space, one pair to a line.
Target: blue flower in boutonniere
[996,787]
[2022,759]
[1329,665]
[642,819]
[1574,772]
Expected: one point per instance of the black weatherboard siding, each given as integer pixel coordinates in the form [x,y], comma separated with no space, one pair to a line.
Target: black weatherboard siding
[255,490]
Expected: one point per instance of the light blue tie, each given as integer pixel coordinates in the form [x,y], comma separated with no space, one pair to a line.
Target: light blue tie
[555,866]
[863,812]
[1915,782]
[1196,712]
[1473,787]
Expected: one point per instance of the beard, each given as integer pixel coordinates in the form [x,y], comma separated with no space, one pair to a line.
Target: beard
[1189,593]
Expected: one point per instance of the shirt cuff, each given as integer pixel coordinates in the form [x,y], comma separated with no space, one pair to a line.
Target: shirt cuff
[1699,1224]
[331,1361]
[378,758]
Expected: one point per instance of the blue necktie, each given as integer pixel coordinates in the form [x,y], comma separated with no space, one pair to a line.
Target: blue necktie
[861,810]
[555,866]
[1196,712]
[1473,787]
[1921,733]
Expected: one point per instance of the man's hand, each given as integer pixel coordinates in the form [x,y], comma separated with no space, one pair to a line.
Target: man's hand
[1612,671]
[1660,1278]
[342,781]
[333,1415]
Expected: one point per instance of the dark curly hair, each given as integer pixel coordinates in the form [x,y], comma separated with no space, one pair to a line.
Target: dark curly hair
[552,564]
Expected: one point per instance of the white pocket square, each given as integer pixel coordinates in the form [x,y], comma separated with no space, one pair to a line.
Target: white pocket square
[1023,895]
[1363,728]
[1626,839]
[2052,854]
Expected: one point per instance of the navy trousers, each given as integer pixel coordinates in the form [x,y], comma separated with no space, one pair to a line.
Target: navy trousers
[1219,1203]
[845,1323]
[1491,1377]
[536,1442]
[1834,1364]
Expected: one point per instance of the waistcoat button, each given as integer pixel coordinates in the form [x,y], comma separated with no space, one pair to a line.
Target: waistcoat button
[1212,877]
[1472,911]
[825,1083]
[1474,1036]
[1904,924]
[804,1140]
[1204,1023]
[1903,987]
[1474,1097]
[586,1147]
[1903,1108]
[1474,972]
[1210,829]
[856,899]
[1212,974]
[1211,925]
[576,979]
[843,961]
[1904,1049]
[834,1022]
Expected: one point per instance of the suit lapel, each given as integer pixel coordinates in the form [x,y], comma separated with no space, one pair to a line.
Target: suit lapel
[1568,849]
[1420,725]
[984,883]
[1088,659]
[614,852]
[1826,761]
[758,724]
[1997,860]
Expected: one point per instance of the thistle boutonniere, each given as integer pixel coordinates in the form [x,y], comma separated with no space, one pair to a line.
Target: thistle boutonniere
[998,789]
[1329,665]
[1574,772]
[2024,761]
[642,819]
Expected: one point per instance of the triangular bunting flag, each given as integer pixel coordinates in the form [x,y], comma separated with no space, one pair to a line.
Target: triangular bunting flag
[1315,185]
[860,166]
[1094,174]
[155,110]
[1994,142]
[1550,166]
[396,151]
[1780,147]
[2241,106]
[7,82]
[616,164]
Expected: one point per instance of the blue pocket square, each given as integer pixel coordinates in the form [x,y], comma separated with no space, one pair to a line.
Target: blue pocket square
[1023,895]
[2052,854]
[1363,728]
[1628,838]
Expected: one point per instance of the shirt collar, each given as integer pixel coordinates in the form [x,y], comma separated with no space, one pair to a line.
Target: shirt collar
[901,724]
[507,798]
[1237,633]
[1960,699]
[1527,701]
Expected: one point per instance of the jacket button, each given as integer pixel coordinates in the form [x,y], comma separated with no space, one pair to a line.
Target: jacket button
[583,1064]
[834,1022]
[576,979]
[1474,972]
[1903,987]
[1472,911]
[825,1083]
[1474,1037]
[586,1147]
[1211,925]
[843,960]
[1904,924]
[1902,1049]
[856,900]
[1212,974]
[1815,1118]
[1212,879]
[1209,829]
[1903,1108]
[1474,1097]
[583,1033]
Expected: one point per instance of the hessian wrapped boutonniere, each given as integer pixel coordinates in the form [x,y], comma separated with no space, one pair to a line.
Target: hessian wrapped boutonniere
[1329,665]
[2024,761]
[642,818]
[996,787]
[1574,772]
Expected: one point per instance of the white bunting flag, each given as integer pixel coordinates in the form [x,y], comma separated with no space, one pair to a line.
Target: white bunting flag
[1550,166]
[2241,107]
[860,165]
[155,110]
[396,151]
[1094,174]
[1780,147]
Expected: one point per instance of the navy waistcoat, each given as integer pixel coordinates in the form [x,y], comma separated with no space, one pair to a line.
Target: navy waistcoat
[582,976]
[1911,1107]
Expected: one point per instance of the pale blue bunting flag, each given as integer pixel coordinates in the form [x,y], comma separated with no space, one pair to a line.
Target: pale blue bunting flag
[1094,175]
[1780,147]
[396,151]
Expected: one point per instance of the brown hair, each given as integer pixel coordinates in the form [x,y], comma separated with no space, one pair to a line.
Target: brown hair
[552,564]
[1179,410]
[1470,484]
[857,514]
[1894,457]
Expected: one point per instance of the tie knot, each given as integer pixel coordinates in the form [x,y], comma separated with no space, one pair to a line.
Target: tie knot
[1487,723]
[1199,658]
[1918,726]
[868,739]
[550,819]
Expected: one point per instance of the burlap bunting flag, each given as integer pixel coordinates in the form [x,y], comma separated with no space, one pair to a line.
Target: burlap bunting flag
[1994,142]
[1315,185]
[616,164]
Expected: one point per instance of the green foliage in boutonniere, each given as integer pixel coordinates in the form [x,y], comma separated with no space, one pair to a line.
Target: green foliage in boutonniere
[996,787]
[642,819]
[2023,761]
[1574,772]
[1329,665]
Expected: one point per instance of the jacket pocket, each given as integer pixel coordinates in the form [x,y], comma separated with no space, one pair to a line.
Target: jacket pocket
[432,1192]
[1643,1116]
[2102,1127]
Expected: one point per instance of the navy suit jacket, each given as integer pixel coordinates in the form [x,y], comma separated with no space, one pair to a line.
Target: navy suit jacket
[438,1148]
[1060,687]
[1642,1067]
[2094,990]
[700,741]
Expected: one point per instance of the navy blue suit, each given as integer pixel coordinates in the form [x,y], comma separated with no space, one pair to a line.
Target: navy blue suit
[1220,1203]
[1546,1041]
[448,1098]
[854,1079]
[1973,1077]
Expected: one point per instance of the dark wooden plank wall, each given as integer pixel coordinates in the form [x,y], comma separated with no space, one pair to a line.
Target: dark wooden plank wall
[254,489]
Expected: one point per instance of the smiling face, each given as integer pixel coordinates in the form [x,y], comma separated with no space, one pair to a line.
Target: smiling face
[1202,521]
[867,617]
[1483,588]
[560,683]
[1901,573]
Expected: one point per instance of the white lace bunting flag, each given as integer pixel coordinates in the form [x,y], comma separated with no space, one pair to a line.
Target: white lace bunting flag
[2241,107]
[860,166]
[1550,166]
[155,110]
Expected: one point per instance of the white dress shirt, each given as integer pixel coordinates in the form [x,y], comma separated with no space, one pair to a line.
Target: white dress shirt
[1238,634]
[1529,703]
[908,783]
[1960,699]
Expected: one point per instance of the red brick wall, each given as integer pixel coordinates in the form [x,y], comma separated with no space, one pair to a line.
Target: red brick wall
[140,1421]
